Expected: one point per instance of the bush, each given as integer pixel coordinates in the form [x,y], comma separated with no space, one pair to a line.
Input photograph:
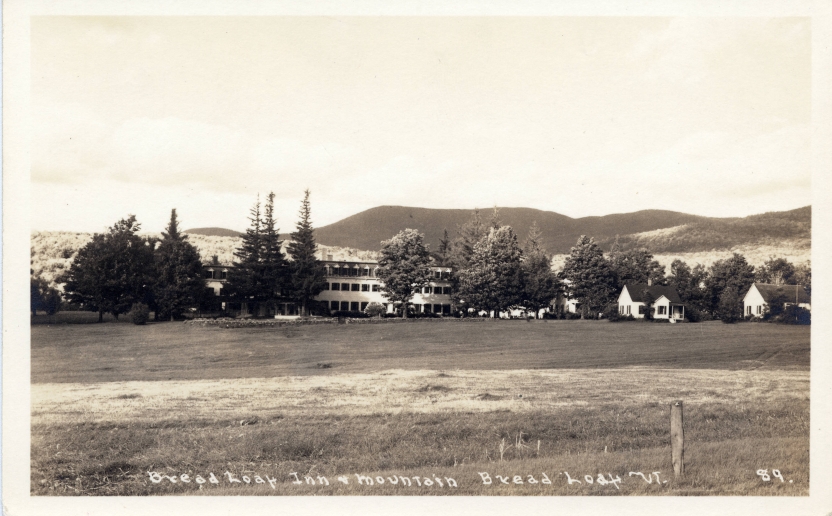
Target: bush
[139,313]
[793,314]
[375,310]
[694,314]
[352,314]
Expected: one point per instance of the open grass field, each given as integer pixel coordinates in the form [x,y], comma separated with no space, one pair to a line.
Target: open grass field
[538,404]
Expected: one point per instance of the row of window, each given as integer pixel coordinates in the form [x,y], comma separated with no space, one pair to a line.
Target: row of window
[759,310]
[625,310]
[216,274]
[368,272]
[356,306]
[366,287]
[352,287]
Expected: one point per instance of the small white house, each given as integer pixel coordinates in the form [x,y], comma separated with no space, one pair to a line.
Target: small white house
[666,301]
[760,295]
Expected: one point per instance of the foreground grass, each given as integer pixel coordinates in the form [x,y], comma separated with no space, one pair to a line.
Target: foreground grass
[176,351]
[105,438]
[725,448]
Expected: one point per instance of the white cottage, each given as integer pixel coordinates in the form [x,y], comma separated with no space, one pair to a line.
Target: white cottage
[760,295]
[666,301]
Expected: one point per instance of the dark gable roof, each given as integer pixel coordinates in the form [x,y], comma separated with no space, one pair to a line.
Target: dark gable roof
[769,292]
[637,290]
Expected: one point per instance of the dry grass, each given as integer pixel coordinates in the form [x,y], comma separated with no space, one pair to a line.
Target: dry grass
[398,391]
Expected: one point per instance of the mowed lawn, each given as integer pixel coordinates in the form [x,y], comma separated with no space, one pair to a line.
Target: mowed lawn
[177,351]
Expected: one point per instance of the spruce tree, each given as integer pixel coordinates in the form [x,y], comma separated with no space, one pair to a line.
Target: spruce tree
[470,234]
[179,275]
[308,276]
[275,267]
[494,279]
[592,280]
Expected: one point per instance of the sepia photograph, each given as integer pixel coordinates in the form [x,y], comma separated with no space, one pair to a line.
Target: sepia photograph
[454,254]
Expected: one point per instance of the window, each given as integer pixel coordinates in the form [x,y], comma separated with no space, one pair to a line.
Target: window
[759,309]
[417,307]
[437,274]
[621,309]
[376,287]
[365,288]
[427,308]
[333,305]
[364,305]
[354,271]
[354,306]
[224,275]
[356,287]
[662,310]
[345,305]
[437,309]
[642,309]
[365,271]
[427,290]
[209,274]
[747,310]
[446,291]
[336,286]
[446,309]
[628,309]
[336,271]
[345,287]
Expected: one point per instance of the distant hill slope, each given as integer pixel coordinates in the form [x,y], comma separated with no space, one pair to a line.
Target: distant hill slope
[222,232]
[367,229]
[792,228]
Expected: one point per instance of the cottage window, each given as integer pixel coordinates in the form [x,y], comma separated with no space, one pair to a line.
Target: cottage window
[642,309]
[759,309]
[662,310]
[224,275]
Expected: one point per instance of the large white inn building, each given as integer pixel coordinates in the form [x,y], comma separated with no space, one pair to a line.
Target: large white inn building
[352,285]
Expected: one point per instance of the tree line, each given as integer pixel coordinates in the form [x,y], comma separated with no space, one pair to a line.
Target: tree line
[120,270]
[493,272]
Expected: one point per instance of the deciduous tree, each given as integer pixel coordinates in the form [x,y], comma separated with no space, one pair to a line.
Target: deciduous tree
[404,267]
[735,273]
[112,271]
[541,284]
[493,279]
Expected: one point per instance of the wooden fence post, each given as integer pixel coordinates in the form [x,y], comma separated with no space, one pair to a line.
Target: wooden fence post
[677,439]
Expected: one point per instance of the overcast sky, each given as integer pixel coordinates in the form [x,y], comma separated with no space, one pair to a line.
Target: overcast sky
[582,116]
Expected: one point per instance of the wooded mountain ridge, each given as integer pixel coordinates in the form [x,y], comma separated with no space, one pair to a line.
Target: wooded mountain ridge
[656,230]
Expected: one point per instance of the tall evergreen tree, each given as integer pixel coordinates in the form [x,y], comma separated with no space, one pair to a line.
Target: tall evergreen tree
[444,250]
[308,276]
[592,280]
[275,267]
[469,234]
[404,267]
[260,274]
[494,277]
[541,285]
[112,271]
[179,274]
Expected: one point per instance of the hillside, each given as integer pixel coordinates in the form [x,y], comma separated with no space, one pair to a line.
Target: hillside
[647,228]
[220,232]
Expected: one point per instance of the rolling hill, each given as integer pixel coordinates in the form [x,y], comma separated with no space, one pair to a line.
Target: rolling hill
[367,229]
